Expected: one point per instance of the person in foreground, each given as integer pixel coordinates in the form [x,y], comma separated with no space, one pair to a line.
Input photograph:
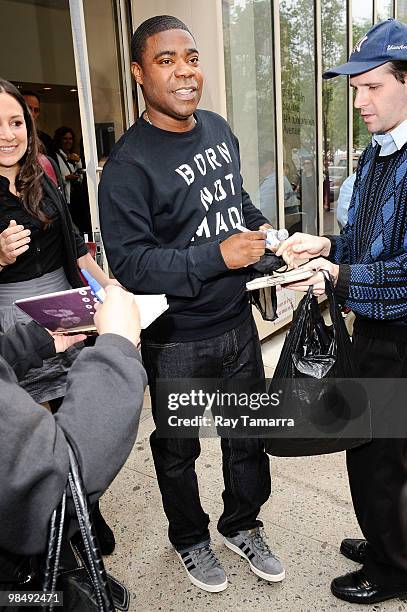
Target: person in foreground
[40,250]
[368,263]
[170,198]
[99,416]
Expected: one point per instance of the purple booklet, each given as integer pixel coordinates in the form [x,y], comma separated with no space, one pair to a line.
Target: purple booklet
[64,311]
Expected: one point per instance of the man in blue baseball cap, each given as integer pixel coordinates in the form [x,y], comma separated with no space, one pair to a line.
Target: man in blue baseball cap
[368,263]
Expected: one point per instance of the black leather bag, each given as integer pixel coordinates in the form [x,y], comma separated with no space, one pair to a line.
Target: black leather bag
[86,587]
[316,378]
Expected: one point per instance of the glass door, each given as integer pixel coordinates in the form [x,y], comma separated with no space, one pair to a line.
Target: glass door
[101,36]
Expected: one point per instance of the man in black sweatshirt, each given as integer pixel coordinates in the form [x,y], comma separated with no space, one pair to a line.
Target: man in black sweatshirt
[171,198]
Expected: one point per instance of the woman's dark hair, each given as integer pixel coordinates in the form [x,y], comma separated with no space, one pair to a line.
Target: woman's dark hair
[60,133]
[29,177]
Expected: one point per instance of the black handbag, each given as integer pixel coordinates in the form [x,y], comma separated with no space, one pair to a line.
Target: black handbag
[316,379]
[86,587]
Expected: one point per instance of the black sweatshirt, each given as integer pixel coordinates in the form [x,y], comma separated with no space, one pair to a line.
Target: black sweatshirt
[166,201]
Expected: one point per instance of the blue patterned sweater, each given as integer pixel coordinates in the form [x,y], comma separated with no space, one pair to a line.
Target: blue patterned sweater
[372,247]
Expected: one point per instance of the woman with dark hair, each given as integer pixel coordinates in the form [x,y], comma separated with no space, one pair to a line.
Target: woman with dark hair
[39,249]
[70,167]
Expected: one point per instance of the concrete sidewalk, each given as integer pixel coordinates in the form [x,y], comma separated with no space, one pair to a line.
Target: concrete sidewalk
[307,516]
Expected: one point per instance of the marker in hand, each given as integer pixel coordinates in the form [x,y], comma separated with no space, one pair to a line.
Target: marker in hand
[273,237]
[97,289]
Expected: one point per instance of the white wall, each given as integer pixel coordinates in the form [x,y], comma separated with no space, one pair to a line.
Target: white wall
[37,48]
[204,19]
[36,44]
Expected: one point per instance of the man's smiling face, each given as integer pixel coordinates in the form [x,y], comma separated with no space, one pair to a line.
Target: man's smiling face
[170,75]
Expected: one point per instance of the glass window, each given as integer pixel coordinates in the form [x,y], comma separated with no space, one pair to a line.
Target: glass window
[402,10]
[384,9]
[297,31]
[249,59]
[334,110]
[362,13]
[48,69]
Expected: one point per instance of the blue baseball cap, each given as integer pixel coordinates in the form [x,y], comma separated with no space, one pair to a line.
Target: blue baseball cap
[385,42]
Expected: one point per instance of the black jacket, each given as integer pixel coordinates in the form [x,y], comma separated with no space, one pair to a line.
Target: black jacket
[25,347]
[99,416]
[74,245]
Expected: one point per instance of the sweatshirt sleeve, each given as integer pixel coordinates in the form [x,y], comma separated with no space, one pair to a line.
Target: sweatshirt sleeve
[26,346]
[99,416]
[136,257]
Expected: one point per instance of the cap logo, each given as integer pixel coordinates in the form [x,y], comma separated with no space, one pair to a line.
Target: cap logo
[396,47]
[359,44]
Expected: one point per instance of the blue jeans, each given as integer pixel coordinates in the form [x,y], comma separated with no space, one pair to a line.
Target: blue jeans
[246,470]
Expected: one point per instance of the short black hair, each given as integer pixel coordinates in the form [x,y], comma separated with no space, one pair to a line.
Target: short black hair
[398,68]
[154,25]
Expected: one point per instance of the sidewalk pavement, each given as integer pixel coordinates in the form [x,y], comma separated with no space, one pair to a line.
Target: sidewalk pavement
[307,516]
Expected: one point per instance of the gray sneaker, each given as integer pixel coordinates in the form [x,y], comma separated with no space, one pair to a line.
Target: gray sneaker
[203,569]
[252,545]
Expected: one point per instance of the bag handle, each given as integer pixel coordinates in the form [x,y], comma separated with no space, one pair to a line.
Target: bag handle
[95,562]
[330,293]
[54,547]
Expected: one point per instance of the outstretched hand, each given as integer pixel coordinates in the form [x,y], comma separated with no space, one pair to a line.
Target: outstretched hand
[303,246]
[64,342]
[317,280]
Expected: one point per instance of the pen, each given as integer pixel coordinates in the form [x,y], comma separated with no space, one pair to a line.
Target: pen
[273,236]
[96,289]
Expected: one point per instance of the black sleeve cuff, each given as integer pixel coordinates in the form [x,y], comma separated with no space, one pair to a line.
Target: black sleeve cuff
[342,284]
[210,262]
[82,250]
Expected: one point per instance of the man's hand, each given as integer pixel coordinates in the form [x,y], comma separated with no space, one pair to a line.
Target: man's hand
[303,246]
[118,314]
[63,342]
[13,242]
[318,279]
[243,249]
[265,227]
